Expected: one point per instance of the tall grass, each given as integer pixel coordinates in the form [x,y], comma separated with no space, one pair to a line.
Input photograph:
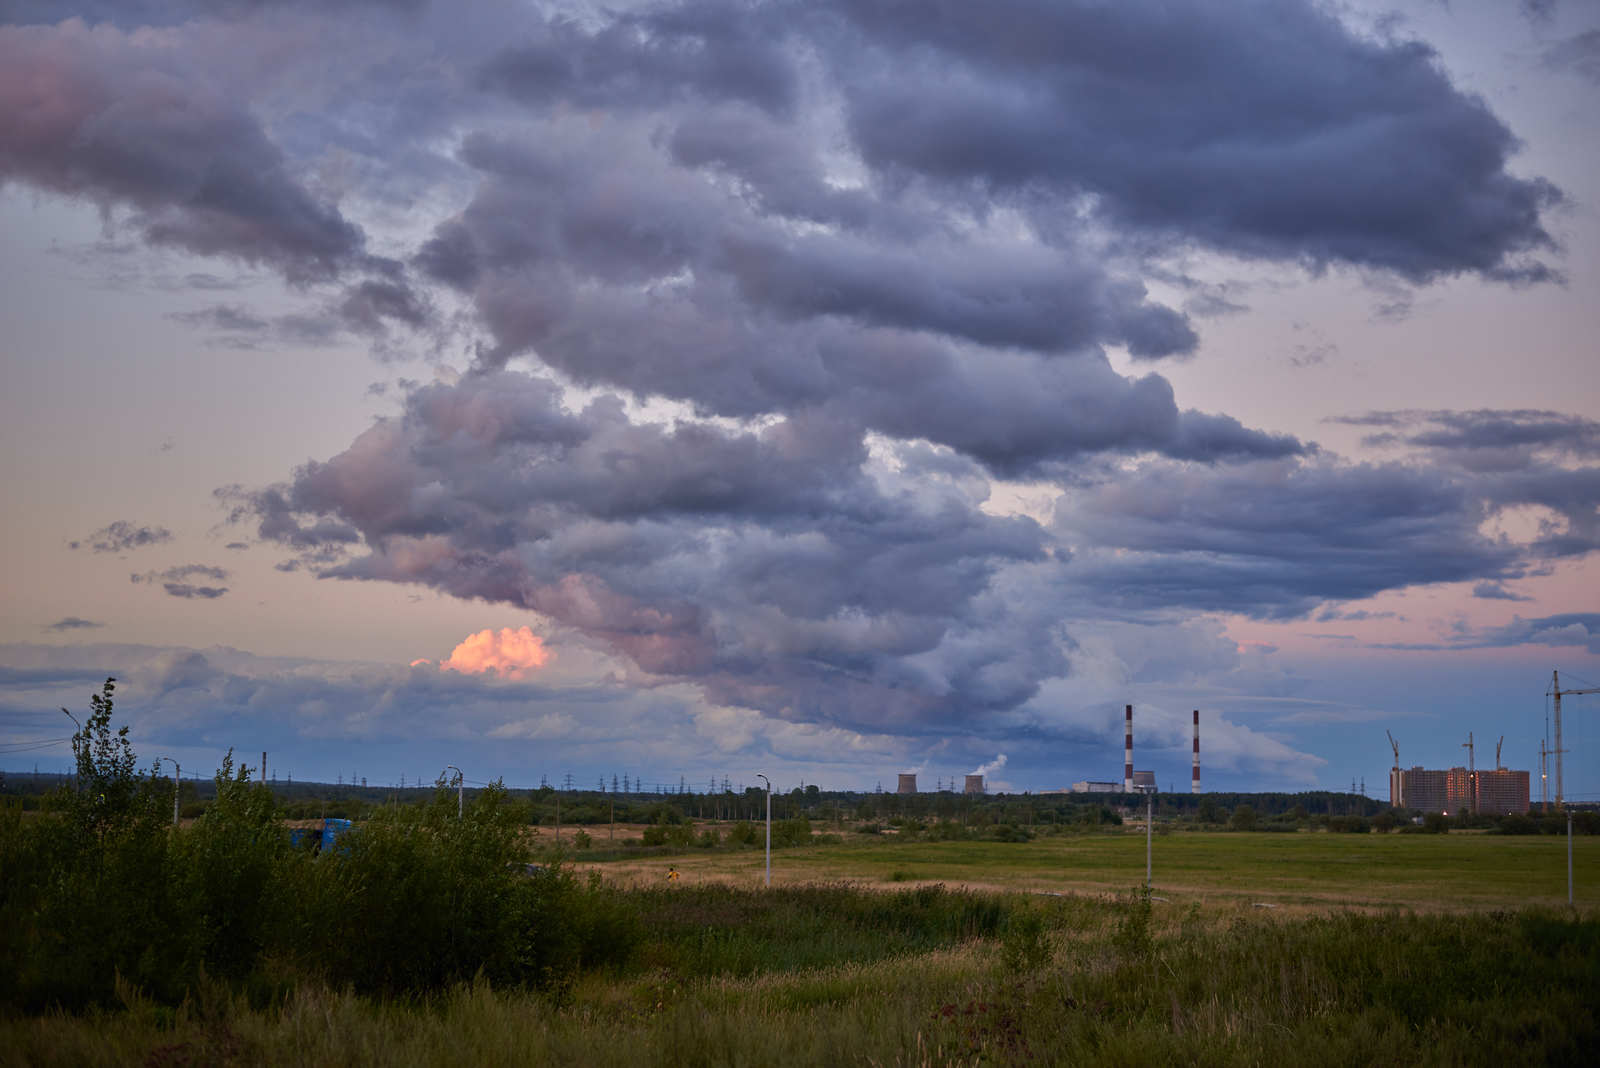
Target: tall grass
[1221,987]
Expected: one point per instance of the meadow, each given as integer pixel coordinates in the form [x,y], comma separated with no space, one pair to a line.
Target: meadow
[428,934]
[1373,871]
[1449,949]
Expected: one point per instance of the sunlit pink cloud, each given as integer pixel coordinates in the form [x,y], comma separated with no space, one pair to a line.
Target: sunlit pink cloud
[510,654]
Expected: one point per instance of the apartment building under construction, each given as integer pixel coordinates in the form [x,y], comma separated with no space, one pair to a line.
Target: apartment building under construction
[1495,793]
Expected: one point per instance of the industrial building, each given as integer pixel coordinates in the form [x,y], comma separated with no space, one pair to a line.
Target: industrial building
[908,783]
[1495,793]
[1096,788]
[974,784]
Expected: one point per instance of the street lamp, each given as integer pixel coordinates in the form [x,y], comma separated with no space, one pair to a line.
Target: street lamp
[460,778]
[177,773]
[77,783]
[768,781]
[1149,821]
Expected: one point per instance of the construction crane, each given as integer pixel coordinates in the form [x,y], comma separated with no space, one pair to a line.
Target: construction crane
[1497,765]
[1396,780]
[1556,693]
[1472,772]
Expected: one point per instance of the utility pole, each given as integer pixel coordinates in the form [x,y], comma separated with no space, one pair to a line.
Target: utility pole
[768,781]
[459,780]
[1556,693]
[177,773]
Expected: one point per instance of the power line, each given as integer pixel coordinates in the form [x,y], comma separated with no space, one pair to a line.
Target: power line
[24,747]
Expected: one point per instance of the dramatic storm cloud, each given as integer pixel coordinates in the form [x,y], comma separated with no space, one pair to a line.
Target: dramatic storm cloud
[815,363]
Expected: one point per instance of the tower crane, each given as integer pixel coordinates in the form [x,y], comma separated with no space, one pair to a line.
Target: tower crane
[1396,747]
[1556,693]
[1472,772]
[1497,765]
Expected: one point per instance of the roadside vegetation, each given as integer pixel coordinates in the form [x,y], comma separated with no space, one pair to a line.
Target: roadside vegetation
[426,937]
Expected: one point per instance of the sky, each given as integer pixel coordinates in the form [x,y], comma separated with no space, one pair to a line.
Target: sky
[694,389]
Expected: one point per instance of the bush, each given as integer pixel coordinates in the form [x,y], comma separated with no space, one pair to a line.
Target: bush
[743,833]
[1243,819]
[791,832]
[1349,825]
[1435,823]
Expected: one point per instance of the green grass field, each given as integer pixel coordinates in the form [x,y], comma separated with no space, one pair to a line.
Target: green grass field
[1454,949]
[1418,872]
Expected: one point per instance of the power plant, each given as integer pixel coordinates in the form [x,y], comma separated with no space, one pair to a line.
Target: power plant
[908,783]
[1134,781]
[974,784]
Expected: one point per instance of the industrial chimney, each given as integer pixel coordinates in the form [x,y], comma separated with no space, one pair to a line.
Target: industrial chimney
[1127,753]
[1194,781]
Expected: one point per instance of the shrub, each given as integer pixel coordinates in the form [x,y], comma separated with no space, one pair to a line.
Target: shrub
[1517,823]
[1243,819]
[1026,945]
[792,832]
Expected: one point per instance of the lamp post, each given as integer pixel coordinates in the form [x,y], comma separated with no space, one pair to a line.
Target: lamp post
[177,775]
[76,784]
[768,781]
[1149,821]
[459,780]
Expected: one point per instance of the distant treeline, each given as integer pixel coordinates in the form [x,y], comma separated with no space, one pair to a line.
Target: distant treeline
[550,807]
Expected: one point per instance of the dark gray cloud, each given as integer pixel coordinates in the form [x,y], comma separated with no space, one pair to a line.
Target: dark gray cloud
[366,308]
[1579,54]
[1263,129]
[175,580]
[647,58]
[90,112]
[73,623]
[1571,628]
[121,536]
[769,566]
[1274,540]
[1495,591]
[1517,432]
[1513,458]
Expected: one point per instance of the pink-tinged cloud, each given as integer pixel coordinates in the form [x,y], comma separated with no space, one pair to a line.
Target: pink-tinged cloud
[510,654]
[420,660]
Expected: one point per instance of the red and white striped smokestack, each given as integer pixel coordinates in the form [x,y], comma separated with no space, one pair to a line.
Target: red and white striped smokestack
[1127,754]
[1194,783]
